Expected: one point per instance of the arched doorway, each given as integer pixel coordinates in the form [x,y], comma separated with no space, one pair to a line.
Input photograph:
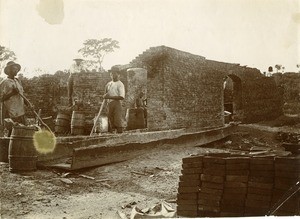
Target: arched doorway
[232,98]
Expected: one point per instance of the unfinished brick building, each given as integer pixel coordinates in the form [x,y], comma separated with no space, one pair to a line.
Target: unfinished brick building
[183,90]
[186,90]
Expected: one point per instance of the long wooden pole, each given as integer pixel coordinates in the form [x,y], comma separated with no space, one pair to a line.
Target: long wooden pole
[96,120]
[36,114]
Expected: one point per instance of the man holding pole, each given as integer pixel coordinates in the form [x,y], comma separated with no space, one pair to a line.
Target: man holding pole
[114,94]
[12,103]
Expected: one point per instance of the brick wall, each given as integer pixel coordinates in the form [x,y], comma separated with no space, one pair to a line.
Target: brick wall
[46,92]
[289,85]
[49,92]
[88,89]
[261,100]
[182,92]
[186,90]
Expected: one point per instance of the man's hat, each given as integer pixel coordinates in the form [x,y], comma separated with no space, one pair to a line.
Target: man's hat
[78,57]
[116,68]
[9,65]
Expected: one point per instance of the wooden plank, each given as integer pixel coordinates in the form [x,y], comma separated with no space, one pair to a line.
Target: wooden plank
[97,156]
[129,146]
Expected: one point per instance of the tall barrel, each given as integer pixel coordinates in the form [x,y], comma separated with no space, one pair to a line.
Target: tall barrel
[135,118]
[77,123]
[22,155]
[62,123]
[4,143]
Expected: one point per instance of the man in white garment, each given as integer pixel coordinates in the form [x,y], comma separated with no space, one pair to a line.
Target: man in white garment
[76,67]
[114,94]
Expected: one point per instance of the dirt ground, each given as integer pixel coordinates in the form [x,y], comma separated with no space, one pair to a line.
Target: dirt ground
[101,192]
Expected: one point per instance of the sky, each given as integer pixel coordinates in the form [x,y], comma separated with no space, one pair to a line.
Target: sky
[256,33]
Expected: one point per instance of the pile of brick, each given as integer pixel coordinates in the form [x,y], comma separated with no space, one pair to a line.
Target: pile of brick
[260,186]
[286,175]
[189,186]
[236,180]
[236,186]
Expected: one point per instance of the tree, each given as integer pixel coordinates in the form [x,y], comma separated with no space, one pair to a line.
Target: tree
[95,50]
[5,55]
[298,66]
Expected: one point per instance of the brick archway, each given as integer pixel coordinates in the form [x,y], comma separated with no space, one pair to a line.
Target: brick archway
[233,96]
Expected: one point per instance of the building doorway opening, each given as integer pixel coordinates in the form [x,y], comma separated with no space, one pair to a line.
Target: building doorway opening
[232,98]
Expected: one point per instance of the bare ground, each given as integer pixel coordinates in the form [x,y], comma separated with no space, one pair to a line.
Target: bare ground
[101,192]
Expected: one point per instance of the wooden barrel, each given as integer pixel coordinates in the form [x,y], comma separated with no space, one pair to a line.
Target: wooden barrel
[62,123]
[4,144]
[135,118]
[22,155]
[77,123]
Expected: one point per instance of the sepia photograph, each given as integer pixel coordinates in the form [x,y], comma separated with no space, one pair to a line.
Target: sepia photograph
[131,109]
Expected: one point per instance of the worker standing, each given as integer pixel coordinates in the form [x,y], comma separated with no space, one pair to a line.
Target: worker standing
[114,94]
[13,105]
[76,67]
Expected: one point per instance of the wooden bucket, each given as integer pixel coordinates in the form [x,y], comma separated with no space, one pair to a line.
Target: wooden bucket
[4,144]
[21,153]
[62,123]
[77,123]
[101,124]
[135,118]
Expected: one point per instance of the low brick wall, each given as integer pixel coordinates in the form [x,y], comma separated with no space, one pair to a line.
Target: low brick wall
[289,85]
[261,100]
[233,186]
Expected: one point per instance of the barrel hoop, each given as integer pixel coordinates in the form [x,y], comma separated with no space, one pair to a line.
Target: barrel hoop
[13,156]
[21,138]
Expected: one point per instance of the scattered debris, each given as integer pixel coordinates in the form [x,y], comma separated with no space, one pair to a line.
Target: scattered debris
[228,142]
[129,205]
[102,180]
[159,168]
[161,210]
[105,184]
[65,175]
[138,173]
[122,215]
[67,181]
[88,177]
[255,148]
[173,200]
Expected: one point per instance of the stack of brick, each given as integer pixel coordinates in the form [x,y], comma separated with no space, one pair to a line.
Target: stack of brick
[287,173]
[236,183]
[189,186]
[212,186]
[260,186]
[232,186]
